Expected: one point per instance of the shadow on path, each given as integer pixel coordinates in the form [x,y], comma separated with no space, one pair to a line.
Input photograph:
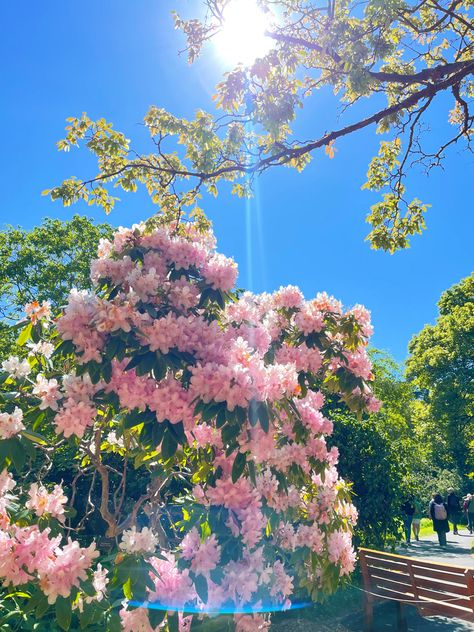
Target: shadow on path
[458,551]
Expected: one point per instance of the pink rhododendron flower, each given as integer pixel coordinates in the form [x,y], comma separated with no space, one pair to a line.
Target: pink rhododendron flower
[69,567]
[11,424]
[47,391]
[309,319]
[36,312]
[204,555]
[373,404]
[359,363]
[43,502]
[220,272]
[289,297]
[173,588]
[74,417]
[341,551]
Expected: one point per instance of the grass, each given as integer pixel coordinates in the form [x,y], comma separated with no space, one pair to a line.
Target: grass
[426,527]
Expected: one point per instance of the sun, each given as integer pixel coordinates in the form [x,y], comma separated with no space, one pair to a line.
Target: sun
[243,38]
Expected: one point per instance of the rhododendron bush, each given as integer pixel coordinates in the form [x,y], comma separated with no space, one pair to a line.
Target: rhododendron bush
[210,399]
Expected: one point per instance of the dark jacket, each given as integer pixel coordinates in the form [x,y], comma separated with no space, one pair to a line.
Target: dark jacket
[453,503]
[440,526]
[408,509]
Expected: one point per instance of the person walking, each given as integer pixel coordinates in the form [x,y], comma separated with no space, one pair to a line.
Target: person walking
[469,504]
[454,509]
[417,516]
[439,514]
[408,510]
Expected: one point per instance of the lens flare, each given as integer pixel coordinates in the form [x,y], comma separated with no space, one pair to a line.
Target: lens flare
[243,38]
[190,609]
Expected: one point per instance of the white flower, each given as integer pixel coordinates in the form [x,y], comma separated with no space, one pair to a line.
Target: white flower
[42,348]
[16,368]
[114,440]
[133,541]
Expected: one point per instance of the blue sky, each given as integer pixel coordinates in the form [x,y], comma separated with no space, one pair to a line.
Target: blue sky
[116,58]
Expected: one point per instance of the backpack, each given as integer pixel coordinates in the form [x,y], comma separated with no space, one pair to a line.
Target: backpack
[440,512]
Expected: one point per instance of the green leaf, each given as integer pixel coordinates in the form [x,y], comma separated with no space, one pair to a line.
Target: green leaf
[134,418]
[229,433]
[17,453]
[221,418]
[35,437]
[252,473]
[127,589]
[253,413]
[146,364]
[159,367]
[173,622]
[107,371]
[157,433]
[155,616]
[114,623]
[169,446]
[66,347]
[263,416]
[238,466]
[25,335]
[241,414]
[63,613]
[211,410]
[134,362]
[177,430]
[200,583]
[88,588]
[112,347]
[35,600]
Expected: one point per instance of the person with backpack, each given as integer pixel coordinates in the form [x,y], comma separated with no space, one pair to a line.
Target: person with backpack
[454,509]
[439,514]
[469,509]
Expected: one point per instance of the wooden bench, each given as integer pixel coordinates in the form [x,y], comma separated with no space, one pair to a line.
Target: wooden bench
[433,588]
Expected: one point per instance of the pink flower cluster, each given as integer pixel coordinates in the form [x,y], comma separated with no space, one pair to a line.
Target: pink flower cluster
[36,311]
[27,553]
[42,502]
[11,424]
[203,555]
[244,381]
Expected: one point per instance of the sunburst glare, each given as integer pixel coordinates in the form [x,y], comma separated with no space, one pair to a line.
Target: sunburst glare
[243,38]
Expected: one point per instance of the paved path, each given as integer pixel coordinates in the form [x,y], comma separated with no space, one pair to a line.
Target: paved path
[458,551]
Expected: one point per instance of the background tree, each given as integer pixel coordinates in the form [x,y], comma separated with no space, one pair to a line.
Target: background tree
[44,264]
[441,365]
[377,472]
[399,56]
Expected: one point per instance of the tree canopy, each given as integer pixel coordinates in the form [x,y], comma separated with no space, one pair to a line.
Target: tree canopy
[398,56]
[441,364]
[44,263]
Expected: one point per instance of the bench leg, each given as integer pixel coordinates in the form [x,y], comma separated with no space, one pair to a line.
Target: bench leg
[401,618]
[368,615]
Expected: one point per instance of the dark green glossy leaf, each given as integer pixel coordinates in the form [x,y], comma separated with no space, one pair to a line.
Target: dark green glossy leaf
[200,583]
[63,613]
[169,445]
[238,466]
